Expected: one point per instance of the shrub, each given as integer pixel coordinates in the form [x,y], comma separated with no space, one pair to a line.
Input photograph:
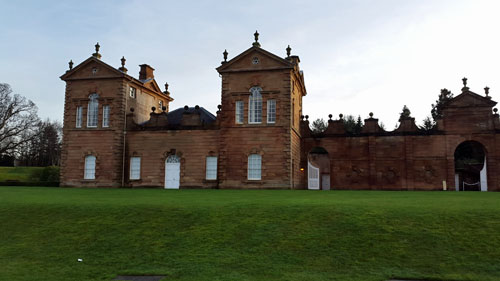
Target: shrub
[50,174]
[47,174]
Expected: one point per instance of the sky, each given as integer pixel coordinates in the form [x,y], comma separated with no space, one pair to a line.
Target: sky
[358,56]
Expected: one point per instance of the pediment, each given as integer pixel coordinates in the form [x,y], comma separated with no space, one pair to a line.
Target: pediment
[255,58]
[152,85]
[92,68]
[470,99]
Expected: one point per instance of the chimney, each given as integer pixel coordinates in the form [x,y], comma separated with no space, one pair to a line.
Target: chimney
[146,72]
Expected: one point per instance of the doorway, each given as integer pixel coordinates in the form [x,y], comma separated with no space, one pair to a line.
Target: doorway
[318,169]
[470,167]
[172,172]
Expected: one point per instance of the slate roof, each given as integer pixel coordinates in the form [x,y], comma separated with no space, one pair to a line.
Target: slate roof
[175,116]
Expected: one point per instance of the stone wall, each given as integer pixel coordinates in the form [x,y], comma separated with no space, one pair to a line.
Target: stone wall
[401,160]
[191,146]
[104,143]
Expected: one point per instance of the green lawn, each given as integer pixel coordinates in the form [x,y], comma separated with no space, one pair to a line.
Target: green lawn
[248,235]
[22,174]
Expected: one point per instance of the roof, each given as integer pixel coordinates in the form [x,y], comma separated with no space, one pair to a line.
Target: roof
[225,66]
[175,116]
[118,73]
[468,98]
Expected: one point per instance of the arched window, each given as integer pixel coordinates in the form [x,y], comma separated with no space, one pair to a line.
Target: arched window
[254,167]
[93,110]
[89,172]
[173,159]
[255,106]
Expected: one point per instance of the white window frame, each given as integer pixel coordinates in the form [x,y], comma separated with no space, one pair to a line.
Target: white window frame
[135,168]
[255,106]
[93,111]
[89,168]
[132,92]
[105,116]
[271,111]
[211,168]
[79,116]
[240,107]
[254,167]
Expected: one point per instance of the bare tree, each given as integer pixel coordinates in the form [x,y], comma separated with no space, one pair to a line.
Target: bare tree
[45,148]
[18,120]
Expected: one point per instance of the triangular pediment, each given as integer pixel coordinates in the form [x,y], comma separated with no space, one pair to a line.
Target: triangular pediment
[254,59]
[92,68]
[152,85]
[470,99]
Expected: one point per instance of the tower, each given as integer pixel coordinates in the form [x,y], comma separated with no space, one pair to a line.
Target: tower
[259,121]
[97,99]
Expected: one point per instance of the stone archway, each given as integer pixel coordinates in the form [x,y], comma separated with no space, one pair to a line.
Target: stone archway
[470,167]
[318,169]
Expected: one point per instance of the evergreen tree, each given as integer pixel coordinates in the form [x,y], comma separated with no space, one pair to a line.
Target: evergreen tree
[437,108]
[318,126]
[405,113]
[351,125]
[428,124]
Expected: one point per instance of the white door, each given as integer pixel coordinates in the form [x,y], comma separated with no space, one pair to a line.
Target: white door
[172,172]
[313,177]
[484,177]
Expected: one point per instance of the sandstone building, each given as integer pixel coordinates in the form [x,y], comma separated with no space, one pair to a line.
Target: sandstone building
[119,131]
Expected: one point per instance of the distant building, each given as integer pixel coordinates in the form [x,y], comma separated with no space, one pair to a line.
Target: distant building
[118,131]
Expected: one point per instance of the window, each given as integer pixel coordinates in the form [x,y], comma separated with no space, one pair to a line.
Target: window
[135,168]
[78,116]
[271,111]
[89,173]
[211,168]
[173,159]
[93,110]
[255,106]
[239,112]
[254,167]
[160,103]
[132,92]
[105,116]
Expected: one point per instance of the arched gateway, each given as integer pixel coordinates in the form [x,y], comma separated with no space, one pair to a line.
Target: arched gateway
[318,169]
[470,167]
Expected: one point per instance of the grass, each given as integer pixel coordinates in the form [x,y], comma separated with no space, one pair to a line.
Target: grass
[248,235]
[21,174]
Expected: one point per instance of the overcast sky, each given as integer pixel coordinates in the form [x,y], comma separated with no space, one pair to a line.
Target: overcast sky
[357,56]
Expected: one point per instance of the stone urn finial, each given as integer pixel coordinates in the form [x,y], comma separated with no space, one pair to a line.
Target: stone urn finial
[256,43]
[122,68]
[225,56]
[96,54]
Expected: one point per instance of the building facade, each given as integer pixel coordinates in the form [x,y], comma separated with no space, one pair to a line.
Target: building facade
[118,131]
